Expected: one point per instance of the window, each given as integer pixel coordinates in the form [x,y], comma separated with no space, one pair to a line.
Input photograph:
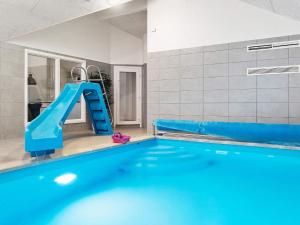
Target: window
[45,77]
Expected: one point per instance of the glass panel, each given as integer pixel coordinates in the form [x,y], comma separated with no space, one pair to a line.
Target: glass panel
[65,77]
[41,84]
[127,96]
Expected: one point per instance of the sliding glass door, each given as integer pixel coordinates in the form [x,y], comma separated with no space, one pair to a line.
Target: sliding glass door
[45,77]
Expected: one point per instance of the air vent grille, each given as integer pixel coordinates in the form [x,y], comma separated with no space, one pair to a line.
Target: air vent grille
[272,46]
[273,70]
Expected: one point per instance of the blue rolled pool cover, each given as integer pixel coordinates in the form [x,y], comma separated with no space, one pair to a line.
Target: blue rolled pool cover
[283,134]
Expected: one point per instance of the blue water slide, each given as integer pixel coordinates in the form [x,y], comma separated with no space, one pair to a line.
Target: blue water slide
[282,134]
[44,134]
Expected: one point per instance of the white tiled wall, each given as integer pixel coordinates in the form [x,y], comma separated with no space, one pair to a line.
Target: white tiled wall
[210,83]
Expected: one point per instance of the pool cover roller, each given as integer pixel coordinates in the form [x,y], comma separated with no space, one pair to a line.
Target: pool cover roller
[282,134]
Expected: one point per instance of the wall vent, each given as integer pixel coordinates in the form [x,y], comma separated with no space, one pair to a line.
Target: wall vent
[273,70]
[272,46]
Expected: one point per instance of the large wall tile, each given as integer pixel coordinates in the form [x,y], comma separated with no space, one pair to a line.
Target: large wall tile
[169,109]
[242,119]
[217,96]
[240,55]
[272,62]
[191,117]
[169,73]
[273,54]
[153,74]
[169,117]
[13,130]
[11,109]
[11,69]
[273,95]
[294,95]
[272,120]
[294,52]
[191,71]
[242,109]
[216,70]
[216,57]
[216,83]
[241,44]
[294,80]
[191,96]
[169,85]
[273,81]
[215,118]
[153,63]
[153,85]
[216,109]
[240,68]
[248,95]
[294,110]
[242,82]
[153,108]
[272,110]
[169,97]
[191,109]
[192,59]
[170,61]
[193,84]
[212,48]
[153,97]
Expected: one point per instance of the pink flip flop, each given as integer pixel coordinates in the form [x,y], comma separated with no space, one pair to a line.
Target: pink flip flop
[120,138]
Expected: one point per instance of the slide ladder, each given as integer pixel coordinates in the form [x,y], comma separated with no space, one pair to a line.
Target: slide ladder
[44,134]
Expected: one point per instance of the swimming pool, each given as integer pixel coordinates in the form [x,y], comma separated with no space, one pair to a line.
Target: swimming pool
[157,182]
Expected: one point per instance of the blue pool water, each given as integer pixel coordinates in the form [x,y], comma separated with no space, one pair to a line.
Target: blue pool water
[157,182]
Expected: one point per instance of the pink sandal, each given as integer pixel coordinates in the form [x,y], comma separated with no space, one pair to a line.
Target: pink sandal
[120,138]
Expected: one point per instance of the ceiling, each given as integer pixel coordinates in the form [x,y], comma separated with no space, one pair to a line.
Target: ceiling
[289,8]
[19,17]
[134,24]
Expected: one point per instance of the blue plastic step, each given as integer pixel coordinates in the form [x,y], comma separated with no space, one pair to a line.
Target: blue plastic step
[97,115]
[95,106]
[99,125]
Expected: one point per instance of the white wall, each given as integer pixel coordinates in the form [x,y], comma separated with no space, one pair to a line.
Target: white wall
[125,48]
[190,23]
[87,38]
[145,43]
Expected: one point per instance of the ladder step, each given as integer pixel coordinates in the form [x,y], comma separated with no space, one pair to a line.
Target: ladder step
[97,115]
[95,106]
[92,97]
[100,125]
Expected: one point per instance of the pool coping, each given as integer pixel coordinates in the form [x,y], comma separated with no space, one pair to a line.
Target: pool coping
[174,136]
[32,163]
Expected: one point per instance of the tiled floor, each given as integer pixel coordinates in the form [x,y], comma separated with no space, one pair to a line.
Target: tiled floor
[12,152]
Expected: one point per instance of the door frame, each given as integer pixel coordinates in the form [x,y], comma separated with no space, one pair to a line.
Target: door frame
[138,71]
[57,90]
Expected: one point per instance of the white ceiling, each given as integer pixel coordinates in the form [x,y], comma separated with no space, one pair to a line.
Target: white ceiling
[134,24]
[289,8]
[19,17]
